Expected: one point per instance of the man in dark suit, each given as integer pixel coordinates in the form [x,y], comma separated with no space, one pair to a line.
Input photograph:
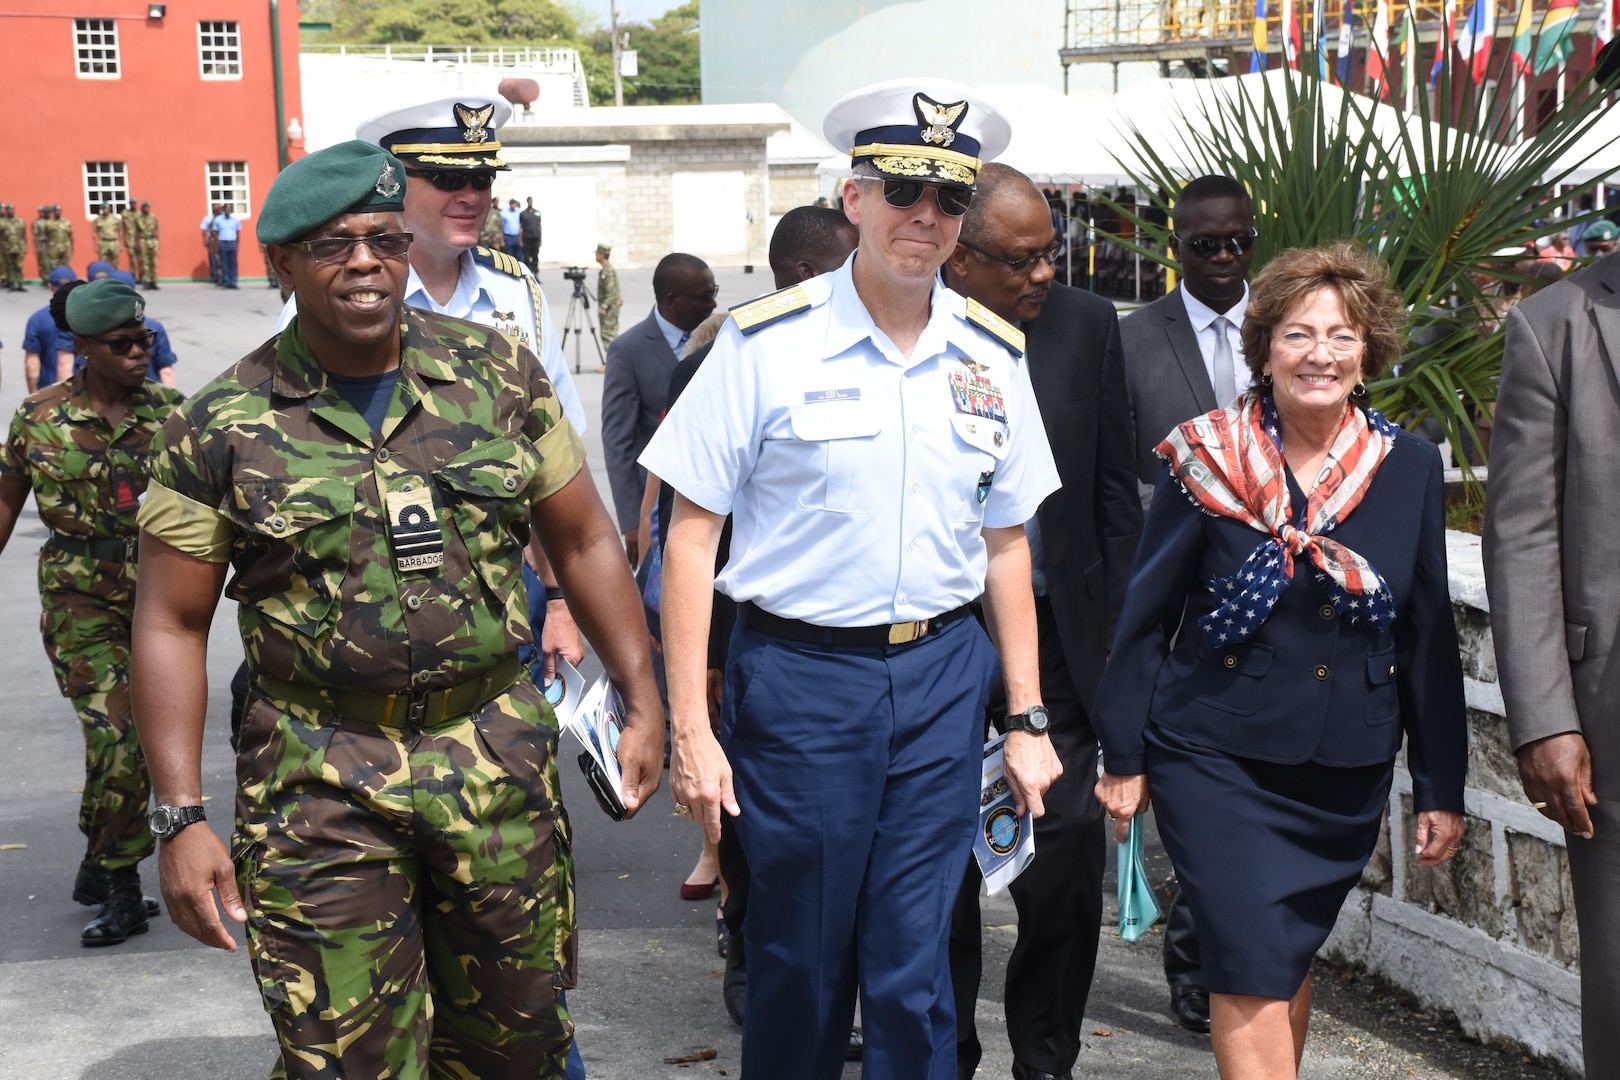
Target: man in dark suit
[635,389]
[1177,349]
[1081,544]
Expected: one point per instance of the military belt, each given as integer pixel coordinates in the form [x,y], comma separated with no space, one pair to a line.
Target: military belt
[402,710]
[757,618]
[119,549]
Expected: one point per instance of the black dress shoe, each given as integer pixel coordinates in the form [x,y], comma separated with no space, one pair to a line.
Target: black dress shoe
[734,985]
[122,916]
[1189,1005]
[1023,1072]
[90,887]
[857,1046]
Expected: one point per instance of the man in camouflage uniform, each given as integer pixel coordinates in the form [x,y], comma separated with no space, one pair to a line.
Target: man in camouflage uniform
[61,234]
[126,237]
[41,228]
[492,235]
[608,300]
[13,247]
[143,232]
[404,867]
[82,447]
[107,229]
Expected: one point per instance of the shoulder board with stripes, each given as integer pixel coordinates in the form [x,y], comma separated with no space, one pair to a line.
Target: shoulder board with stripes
[499,260]
[773,307]
[997,327]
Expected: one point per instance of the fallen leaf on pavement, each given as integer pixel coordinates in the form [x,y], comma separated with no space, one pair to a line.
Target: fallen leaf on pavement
[706,1054]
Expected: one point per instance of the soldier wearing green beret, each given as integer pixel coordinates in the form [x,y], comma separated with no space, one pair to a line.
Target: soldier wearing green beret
[108,231]
[82,447]
[13,246]
[61,237]
[41,229]
[608,300]
[400,857]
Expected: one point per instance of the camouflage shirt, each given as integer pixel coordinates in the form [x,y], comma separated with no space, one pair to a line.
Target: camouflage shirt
[383,562]
[108,228]
[87,476]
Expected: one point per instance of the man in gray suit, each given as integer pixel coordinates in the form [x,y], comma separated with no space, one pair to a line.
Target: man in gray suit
[635,390]
[1552,545]
[1183,358]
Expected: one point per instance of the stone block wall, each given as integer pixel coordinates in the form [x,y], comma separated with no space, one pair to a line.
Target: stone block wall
[1489,936]
[649,210]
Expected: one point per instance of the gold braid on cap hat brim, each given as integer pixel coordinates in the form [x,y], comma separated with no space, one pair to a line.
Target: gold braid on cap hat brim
[485,155]
[901,159]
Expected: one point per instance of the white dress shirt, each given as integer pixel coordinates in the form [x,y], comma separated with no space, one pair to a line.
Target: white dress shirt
[1202,317]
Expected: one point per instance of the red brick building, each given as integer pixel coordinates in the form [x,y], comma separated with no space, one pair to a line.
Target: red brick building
[178,103]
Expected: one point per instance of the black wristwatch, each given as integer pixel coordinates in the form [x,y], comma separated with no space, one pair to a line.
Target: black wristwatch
[1034,720]
[167,820]
[553,592]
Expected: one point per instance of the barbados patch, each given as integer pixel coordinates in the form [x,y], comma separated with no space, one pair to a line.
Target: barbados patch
[413,525]
[997,327]
[774,307]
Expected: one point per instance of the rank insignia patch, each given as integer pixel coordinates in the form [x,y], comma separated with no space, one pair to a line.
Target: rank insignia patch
[413,525]
[985,480]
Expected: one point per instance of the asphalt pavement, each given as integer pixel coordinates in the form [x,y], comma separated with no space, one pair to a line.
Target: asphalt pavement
[163,1007]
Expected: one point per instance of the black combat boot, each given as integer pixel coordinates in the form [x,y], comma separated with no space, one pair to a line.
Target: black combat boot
[122,915]
[90,888]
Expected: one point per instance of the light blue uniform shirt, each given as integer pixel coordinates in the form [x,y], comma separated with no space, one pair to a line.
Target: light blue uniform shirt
[504,303]
[226,228]
[859,480]
[673,334]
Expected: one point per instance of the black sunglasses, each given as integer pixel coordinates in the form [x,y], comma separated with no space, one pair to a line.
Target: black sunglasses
[120,346]
[903,194]
[1017,266]
[454,181]
[341,248]
[1207,247]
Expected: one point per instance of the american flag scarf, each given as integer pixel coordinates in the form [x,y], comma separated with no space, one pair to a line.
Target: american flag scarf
[1230,464]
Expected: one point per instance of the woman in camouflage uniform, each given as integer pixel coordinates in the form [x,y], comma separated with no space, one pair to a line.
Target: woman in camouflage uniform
[82,446]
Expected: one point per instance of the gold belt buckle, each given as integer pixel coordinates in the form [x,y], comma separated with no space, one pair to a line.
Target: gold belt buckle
[901,633]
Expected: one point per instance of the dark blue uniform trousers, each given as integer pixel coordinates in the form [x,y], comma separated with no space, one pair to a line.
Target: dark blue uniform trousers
[857,771]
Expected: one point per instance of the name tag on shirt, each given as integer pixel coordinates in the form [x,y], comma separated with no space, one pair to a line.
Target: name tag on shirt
[848,393]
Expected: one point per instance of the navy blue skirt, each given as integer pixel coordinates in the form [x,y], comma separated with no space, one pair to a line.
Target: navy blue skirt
[1265,853]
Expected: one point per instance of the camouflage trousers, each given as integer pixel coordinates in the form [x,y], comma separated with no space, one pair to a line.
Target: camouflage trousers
[108,251]
[409,892]
[149,261]
[609,323]
[87,640]
[11,265]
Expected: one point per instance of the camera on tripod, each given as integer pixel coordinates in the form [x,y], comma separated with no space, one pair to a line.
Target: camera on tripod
[574,273]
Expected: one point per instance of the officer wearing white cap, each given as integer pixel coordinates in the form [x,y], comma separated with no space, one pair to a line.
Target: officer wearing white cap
[876,440]
[451,151]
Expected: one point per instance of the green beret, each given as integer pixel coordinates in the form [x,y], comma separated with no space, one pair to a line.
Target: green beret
[352,177]
[103,305]
[1600,230]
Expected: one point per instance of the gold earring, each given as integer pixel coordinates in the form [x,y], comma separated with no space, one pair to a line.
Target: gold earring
[1265,379]
[1360,390]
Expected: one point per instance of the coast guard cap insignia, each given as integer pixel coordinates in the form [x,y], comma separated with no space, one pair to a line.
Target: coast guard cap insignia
[474,122]
[938,121]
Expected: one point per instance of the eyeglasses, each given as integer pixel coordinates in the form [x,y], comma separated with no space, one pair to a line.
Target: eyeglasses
[903,194]
[340,248]
[1207,247]
[1298,343]
[1018,266]
[707,294]
[454,181]
[120,346]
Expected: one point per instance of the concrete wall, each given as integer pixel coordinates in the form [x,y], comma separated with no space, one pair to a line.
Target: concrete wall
[1489,936]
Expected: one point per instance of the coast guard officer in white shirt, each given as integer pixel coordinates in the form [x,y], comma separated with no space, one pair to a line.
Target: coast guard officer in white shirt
[876,440]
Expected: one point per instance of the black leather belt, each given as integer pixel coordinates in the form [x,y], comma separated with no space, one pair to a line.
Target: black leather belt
[404,710]
[121,549]
[757,618]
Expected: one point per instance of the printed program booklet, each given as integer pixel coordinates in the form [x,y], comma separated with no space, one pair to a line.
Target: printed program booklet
[1005,842]
[596,723]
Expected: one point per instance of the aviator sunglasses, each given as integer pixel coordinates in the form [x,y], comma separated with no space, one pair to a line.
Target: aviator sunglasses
[340,248]
[1207,247]
[903,194]
[454,181]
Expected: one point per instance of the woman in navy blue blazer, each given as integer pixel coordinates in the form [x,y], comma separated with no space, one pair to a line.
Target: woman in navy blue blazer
[1287,621]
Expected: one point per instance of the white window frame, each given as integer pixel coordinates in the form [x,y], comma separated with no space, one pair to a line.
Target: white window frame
[219,45]
[98,194]
[240,197]
[84,46]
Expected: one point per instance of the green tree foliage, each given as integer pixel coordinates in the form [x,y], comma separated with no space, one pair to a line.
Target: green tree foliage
[453,22]
[666,60]
[1436,201]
